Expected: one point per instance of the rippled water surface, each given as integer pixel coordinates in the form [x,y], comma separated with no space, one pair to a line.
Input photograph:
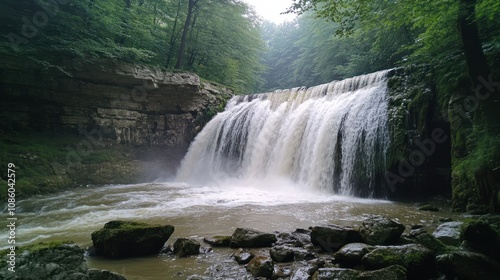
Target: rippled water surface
[195,211]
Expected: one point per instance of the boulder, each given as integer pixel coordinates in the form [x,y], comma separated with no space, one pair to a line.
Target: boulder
[480,237]
[251,238]
[305,270]
[428,240]
[261,266]
[120,239]
[300,254]
[381,231]
[281,272]
[466,265]
[98,274]
[244,257]
[331,238]
[184,247]
[336,274]
[54,260]
[417,259]
[352,253]
[300,274]
[448,233]
[282,254]
[298,238]
[218,240]
[393,272]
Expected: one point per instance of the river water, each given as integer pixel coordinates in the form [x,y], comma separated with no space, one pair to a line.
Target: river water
[195,211]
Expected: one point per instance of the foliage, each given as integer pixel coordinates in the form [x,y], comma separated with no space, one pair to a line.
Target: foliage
[223,43]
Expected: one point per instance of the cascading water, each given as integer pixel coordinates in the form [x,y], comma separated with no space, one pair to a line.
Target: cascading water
[329,137]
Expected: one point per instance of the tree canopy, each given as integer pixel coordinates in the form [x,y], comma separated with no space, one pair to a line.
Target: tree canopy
[220,40]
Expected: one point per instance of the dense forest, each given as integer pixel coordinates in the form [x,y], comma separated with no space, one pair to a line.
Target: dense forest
[219,40]
[225,41]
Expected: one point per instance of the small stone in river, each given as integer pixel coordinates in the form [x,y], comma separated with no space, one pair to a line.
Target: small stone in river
[218,240]
[393,272]
[415,232]
[336,273]
[281,254]
[244,257]
[416,226]
[184,247]
[332,237]
[251,238]
[261,266]
[449,233]
[353,253]
[379,230]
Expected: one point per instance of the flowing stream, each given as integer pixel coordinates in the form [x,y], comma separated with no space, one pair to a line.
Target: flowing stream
[273,161]
[195,211]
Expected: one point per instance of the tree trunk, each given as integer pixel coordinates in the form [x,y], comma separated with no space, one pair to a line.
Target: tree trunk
[173,37]
[487,115]
[485,87]
[182,47]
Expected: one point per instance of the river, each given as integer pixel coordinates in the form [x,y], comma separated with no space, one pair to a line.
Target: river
[195,211]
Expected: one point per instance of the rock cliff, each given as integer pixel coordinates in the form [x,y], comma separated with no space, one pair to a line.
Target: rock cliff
[77,123]
[128,103]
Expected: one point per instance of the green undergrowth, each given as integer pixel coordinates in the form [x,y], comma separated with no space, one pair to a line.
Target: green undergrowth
[474,175]
[45,163]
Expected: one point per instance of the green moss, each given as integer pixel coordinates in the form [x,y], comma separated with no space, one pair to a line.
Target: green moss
[41,163]
[128,238]
[473,176]
[37,247]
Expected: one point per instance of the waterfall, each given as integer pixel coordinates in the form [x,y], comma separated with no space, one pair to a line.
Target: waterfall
[330,137]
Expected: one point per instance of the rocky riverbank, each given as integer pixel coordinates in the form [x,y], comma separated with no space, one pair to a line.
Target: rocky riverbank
[380,248]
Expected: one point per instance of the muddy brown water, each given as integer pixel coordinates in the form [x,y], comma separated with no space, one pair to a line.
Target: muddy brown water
[195,211]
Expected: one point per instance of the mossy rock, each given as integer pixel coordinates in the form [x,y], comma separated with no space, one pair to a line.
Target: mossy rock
[52,260]
[218,240]
[261,266]
[184,247]
[393,272]
[336,273]
[251,238]
[379,230]
[480,236]
[468,265]
[119,239]
[417,259]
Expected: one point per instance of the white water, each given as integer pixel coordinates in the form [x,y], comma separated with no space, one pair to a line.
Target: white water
[331,137]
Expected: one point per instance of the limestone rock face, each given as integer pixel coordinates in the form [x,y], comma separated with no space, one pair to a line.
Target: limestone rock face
[119,239]
[120,101]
